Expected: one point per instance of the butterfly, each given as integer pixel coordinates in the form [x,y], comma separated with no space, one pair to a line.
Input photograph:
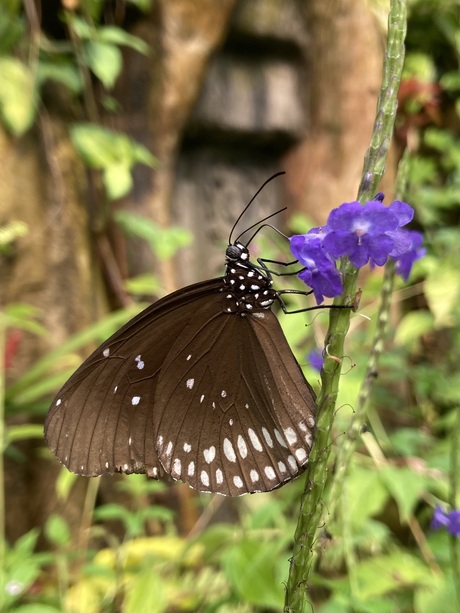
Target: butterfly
[201,386]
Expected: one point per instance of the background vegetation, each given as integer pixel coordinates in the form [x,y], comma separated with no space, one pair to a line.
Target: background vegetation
[150,546]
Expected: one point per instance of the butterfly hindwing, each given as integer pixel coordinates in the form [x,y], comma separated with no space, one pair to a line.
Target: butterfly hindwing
[237,417]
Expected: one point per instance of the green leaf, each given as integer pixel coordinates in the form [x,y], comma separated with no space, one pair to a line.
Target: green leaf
[111,511]
[57,531]
[10,232]
[113,152]
[145,591]
[362,506]
[385,574]
[23,432]
[64,483]
[117,180]
[405,486]
[412,326]
[142,285]
[142,5]
[11,26]
[104,60]
[117,36]
[252,568]
[37,607]
[18,95]
[442,289]
[65,73]
[164,242]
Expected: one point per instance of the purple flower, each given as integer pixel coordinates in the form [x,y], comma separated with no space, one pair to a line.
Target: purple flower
[403,212]
[361,232]
[413,252]
[320,272]
[448,520]
[315,359]
[365,233]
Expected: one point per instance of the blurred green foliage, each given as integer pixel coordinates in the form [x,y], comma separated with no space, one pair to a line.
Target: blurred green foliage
[379,555]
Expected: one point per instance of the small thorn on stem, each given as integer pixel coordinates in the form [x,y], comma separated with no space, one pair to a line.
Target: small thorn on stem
[332,357]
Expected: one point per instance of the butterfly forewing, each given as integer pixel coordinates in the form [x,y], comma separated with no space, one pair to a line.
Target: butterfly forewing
[102,419]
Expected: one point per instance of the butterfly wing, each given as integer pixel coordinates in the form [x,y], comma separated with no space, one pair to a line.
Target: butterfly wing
[238,415]
[101,421]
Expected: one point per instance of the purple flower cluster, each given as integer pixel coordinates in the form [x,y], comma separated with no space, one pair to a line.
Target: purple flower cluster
[448,520]
[370,233]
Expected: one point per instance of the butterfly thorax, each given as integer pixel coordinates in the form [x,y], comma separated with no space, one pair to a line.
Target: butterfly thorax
[247,288]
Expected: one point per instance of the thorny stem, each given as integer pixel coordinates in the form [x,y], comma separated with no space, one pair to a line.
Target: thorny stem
[312,504]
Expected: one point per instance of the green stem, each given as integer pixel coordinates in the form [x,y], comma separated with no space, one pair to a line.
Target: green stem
[311,509]
[2,449]
[349,442]
[454,480]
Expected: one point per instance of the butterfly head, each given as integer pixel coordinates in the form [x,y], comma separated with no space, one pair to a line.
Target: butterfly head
[236,253]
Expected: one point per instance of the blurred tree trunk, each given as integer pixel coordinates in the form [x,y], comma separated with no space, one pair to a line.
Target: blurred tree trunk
[231,91]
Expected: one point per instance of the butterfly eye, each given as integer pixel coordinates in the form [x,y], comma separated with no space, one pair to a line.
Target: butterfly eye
[233,253]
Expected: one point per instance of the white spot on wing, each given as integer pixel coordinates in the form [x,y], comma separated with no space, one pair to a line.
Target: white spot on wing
[282,467]
[188,357]
[115,389]
[106,352]
[219,477]
[209,454]
[223,393]
[202,398]
[204,478]
[177,466]
[280,439]
[268,470]
[238,481]
[242,448]
[254,440]
[259,315]
[267,437]
[160,442]
[58,402]
[169,449]
[229,451]
[191,469]
[311,422]
[290,435]
[190,383]
[135,400]
[187,447]
[254,475]
[292,463]
[300,454]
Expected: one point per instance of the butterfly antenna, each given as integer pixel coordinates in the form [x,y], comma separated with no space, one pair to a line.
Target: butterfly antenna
[249,204]
[265,225]
[259,222]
